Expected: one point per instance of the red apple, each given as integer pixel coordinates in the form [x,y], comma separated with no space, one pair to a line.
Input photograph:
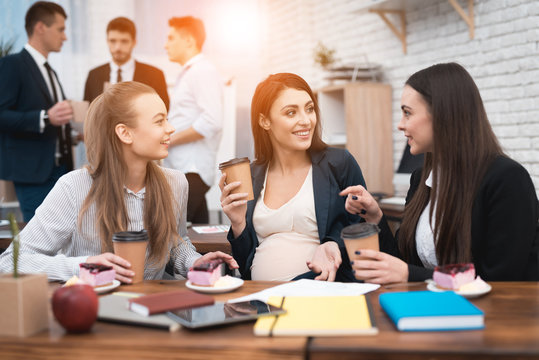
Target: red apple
[75,307]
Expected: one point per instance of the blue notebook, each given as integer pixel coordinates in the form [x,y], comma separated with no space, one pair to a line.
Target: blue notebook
[431,311]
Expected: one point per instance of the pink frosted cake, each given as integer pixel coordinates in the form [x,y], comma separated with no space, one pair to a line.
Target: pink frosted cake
[453,276]
[96,274]
[205,274]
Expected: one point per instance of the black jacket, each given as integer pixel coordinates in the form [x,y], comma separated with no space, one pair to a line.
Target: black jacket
[505,229]
[333,170]
[144,73]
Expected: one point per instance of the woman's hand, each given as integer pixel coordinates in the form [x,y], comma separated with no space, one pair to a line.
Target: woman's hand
[119,264]
[360,202]
[233,205]
[379,268]
[326,260]
[228,259]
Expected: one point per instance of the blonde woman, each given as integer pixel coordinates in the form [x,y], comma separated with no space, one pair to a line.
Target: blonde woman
[122,188]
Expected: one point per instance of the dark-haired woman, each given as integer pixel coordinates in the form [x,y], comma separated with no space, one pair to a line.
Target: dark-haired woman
[292,228]
[469,203]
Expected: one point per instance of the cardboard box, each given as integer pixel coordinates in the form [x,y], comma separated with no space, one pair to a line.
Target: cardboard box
[24,304]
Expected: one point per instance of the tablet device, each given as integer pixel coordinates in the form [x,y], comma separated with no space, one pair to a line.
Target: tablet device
[223,313]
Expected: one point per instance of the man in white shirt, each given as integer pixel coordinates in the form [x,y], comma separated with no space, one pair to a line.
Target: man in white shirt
[35,136]
[196,111]
[121,39]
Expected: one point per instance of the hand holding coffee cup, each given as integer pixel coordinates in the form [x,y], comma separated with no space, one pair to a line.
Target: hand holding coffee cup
[238,169]
[360,236]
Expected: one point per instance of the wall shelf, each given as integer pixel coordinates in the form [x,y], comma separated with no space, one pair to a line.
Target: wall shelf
[358,115]
[399,7]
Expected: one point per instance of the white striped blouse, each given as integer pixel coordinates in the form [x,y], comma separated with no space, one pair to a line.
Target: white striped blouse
[53,243]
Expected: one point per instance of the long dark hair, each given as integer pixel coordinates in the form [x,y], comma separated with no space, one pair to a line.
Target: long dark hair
[265,95]
[464,147]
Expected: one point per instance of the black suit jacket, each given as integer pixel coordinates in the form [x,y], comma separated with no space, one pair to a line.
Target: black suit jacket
[333,171]
[505,228]
[26,155]
[144,73]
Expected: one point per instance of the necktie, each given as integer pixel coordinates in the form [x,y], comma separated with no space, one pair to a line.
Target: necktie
[119,78]
[63,132]
[53,86]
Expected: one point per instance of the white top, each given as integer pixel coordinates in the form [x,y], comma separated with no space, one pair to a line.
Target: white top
[287,236]
[40,62]
[128,71]
[424,234]
[53,243]
[197,101]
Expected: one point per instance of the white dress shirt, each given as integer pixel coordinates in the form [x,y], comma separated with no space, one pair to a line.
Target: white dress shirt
[424,234]
[40,62]
[128,71]
[53,243]
[197,101]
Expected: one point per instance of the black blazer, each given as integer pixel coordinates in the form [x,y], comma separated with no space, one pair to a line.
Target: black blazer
[505,228]
[144,73]
[26,155]
[333,170]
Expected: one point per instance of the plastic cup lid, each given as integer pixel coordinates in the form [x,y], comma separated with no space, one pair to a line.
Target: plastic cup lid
[359,230]
[233,162]
[141,235]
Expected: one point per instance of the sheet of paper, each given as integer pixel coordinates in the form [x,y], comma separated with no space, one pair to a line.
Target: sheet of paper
[211,229]
[306,287]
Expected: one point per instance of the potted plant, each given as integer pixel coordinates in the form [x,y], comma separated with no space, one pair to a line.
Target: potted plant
[6,47]
[324,56]
[24,301]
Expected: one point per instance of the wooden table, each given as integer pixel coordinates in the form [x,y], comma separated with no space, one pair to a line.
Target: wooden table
[511,332]
[511,317]
[203,242]
[209,242]
[112,341]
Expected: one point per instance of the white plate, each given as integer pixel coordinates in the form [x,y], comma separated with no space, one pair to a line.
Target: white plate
[103,289]
[468,294]
[234,284]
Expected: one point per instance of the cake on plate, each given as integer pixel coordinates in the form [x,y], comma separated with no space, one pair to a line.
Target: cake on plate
[453,276]
[96,274]
[205,274]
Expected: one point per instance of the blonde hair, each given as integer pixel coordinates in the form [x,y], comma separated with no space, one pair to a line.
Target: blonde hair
[108,170]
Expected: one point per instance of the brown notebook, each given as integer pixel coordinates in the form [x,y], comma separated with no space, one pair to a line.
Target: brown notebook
[173,300]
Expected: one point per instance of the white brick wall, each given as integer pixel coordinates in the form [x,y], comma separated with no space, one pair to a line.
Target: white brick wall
[503,58]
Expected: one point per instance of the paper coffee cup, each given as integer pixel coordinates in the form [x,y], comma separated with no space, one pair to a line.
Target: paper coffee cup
[360,236]
[239,169]
[131,245]
[80,108]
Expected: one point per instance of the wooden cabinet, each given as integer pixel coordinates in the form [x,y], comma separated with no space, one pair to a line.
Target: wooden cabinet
[358,116]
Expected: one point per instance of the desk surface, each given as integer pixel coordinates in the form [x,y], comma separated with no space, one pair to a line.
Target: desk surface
[511,317]
[203,242]
[511,330]
[112,341]
[209,242]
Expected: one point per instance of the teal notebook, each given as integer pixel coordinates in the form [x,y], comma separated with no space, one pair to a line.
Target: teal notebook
[431,311]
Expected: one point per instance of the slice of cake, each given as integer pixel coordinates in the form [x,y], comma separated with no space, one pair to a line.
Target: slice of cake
[96,274]
[453,276]
[205,274]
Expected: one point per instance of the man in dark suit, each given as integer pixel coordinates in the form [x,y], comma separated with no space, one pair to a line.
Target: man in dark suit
[121,39]
[35,136]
